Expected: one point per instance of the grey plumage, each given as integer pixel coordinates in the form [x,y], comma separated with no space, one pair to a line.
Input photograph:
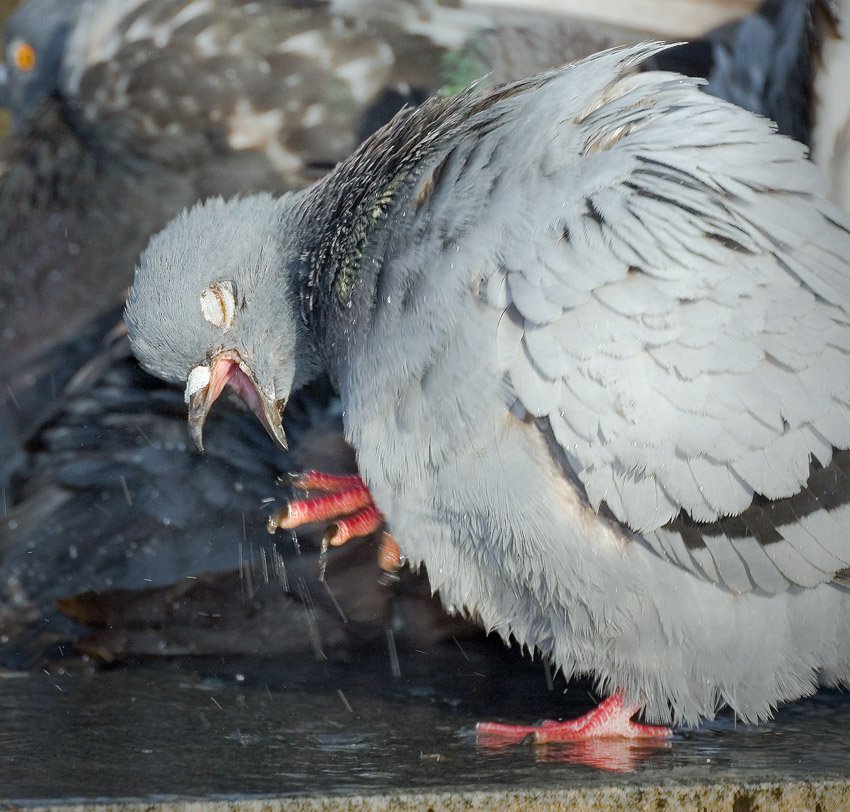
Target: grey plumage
[591,332]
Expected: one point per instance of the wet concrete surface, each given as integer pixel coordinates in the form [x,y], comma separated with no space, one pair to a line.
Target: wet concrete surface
[386,732]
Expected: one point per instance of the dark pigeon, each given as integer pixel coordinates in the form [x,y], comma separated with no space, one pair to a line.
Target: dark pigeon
[115,508]
[591,334]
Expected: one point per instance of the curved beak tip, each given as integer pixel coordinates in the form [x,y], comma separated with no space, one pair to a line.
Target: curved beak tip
[271,419]
[206,383]
[278,435]
[197,438]
[198,408]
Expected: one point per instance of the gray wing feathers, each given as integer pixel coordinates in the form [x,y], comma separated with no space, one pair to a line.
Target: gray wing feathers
[682,316]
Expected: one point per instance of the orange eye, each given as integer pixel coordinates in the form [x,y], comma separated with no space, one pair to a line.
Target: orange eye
[23,55]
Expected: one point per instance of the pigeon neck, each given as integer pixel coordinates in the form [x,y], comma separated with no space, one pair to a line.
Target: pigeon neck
[350,225]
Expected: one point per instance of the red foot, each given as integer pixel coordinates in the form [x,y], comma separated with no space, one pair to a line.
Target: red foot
[609,719]
[361,523]
[348,502]
[321,508]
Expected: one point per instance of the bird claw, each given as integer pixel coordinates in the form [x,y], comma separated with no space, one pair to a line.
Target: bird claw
[319,481]
[347,502]
[611,718]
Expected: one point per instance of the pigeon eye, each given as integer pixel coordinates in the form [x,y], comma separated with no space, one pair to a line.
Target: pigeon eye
[23,56]
[218,304]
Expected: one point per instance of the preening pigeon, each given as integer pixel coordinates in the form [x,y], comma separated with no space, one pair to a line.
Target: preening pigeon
[591,335]
[591,332]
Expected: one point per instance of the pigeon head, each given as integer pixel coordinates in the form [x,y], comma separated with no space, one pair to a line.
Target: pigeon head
[212,294]
[34,42]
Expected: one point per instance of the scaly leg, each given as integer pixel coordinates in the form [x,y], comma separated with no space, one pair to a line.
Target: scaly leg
[347,502]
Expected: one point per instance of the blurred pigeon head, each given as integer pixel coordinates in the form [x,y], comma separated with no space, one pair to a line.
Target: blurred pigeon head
[209,299]
[34,43]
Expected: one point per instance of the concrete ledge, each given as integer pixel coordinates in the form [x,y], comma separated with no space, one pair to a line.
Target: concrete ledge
[799,796]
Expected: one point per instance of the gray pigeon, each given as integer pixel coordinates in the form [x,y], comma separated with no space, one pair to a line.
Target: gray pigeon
[591,332]
[764,62]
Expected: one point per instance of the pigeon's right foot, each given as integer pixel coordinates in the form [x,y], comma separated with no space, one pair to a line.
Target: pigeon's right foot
[347,502]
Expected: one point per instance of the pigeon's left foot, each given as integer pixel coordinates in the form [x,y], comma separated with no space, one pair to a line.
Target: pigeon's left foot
[347,502]
[346,499]
[609,719]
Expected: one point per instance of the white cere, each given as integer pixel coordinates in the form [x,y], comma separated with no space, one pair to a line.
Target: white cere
[218,304]
[199,378]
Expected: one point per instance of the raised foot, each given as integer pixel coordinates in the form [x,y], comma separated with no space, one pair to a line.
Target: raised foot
[346,502]
[610,719]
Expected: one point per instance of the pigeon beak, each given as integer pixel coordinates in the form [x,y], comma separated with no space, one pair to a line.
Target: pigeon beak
[206,383]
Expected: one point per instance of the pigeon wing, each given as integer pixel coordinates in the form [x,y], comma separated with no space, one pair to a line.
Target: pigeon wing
[673,305]
[682,310]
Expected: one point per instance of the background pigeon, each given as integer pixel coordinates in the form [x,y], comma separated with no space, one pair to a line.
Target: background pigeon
[764,63]
[787,62]
[139,108]
[113,506]
[591,333]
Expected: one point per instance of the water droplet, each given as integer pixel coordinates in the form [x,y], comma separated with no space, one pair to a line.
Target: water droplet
[295,543]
